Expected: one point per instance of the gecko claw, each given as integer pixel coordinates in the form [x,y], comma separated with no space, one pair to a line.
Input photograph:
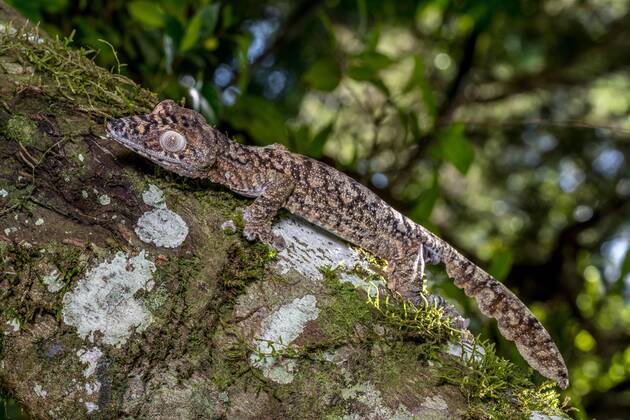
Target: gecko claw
[264,235]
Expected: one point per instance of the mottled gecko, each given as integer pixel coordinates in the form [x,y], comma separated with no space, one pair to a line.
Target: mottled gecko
[180,140]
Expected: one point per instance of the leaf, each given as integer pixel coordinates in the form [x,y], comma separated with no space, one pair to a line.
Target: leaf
[501,264]
[426,202]
[192,33]
[148,13]
[316,148]
[213,100]
[243,42]
[201,26]
[173,28]
[260,118]
[373,36]
[624,270]
[456,148]
[365,66]
[324,75]
[418,80]
[300,138]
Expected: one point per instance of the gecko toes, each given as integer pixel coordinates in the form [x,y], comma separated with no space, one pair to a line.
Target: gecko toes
[264,235]
[278,242]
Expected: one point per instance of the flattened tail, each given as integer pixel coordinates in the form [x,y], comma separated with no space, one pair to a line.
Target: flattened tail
[516,322]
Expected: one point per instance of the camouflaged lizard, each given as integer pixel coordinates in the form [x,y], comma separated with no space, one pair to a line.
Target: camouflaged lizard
[180,140]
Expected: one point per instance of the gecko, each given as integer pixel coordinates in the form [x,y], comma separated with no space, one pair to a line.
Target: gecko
[180,140]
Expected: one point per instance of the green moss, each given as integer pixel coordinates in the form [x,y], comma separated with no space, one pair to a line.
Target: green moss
[73,75]
[316,385]
[248,263]
[346,309]
[20,129]
[495,388]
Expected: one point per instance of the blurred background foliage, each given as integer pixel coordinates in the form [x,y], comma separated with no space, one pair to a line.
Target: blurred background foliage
[501,125]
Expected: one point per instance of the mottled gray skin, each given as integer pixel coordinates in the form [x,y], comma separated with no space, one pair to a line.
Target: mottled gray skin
[326,197]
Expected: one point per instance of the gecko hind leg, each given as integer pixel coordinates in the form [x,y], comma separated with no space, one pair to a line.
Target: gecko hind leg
[406,276]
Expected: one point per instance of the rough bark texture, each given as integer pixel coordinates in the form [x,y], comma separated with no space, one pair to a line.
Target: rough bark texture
[122,295]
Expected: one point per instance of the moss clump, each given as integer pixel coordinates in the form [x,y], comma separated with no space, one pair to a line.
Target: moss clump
[20,129]
[403,319]
[72,74]
[495,388]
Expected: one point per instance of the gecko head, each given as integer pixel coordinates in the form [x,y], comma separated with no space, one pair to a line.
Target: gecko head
[174,137]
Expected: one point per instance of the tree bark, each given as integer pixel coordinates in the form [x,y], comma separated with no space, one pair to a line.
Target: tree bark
[123,292]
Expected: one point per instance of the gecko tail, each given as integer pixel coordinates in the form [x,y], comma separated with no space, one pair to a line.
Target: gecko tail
[516,322]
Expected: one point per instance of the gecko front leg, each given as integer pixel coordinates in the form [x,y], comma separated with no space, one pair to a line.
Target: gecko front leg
[259,214]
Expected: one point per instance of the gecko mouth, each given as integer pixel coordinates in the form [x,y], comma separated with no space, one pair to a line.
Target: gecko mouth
[112,132]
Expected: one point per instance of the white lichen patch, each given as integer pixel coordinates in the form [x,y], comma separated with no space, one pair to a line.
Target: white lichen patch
[161,226]
[84,194]
[39,391]
[537,415]
[154,197]
[228,227]
[53,281]
[12,68]
[309,248]
[10,230]
[279,330]
[103,301]
[3,193]
[91,407]
[104,199]
[80,157]
[14,324]
[90,357]
[368,395]
[435,402]
[39,222]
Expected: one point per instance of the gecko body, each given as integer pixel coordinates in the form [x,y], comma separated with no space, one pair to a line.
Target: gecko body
[179,140]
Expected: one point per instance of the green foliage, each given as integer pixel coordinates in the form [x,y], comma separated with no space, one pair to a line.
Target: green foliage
[147,13]
[201,26]
[456,148]
[501,264]
[324,74]
[367,65]
[418,79]
[426,202]
[255,115]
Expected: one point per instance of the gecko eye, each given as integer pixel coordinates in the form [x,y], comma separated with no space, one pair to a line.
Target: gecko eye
[172,141]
